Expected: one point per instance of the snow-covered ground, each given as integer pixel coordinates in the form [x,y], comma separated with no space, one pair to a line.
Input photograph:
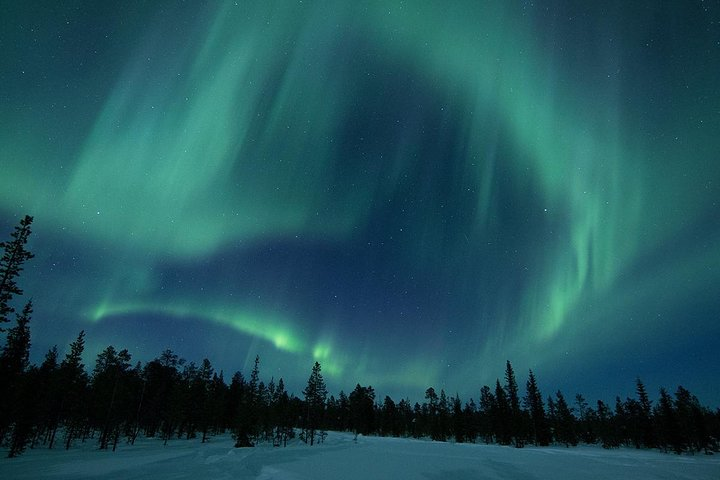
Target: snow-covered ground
[340,457]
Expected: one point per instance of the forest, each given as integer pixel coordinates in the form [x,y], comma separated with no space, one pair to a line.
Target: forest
[62,401]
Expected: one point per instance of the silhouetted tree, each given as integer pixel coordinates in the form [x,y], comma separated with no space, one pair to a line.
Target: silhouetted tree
[587,421]
[74,380]
[564,422]
[502,416]
[643,414]
[247,414]
[283,415]
[110,391]
[11,264]
[539,429]
[486,420]
[16,399]
[49,398]
[315,394]
[516,427]
[471,424]
[606,429]
[666,424]
[13,365]
[691,418]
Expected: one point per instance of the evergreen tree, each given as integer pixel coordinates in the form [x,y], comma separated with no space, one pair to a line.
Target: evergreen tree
[155,406]
[389,418]
[691,417]
[564,422]
[587,422]
[110,388]
[606,426]
[315,394]
[443,417]
[362,409]
[539,429]
[502,416]
[16,399]
[48,394]
[471,424]
[486,421]
[666,424]
[343,411]
[620,422]
[14,359]
[515,416]
[11,264]
[283,415]
[459,422]
[248,418]
[644,416]
[406,418]
[201,389]
[74,381]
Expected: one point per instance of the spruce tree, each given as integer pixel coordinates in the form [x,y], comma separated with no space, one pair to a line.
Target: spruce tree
[11,264]
[74,380]
[502,416]
[16,399]
[666,424]
[644,416]
[564,422]
[315,394]
[486,419]
[606,429]
[14,359]
[362,409]
[516,426]
[539,429]
[247,418]
[691,417]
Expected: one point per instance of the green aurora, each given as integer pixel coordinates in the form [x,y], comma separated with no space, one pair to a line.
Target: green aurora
[409,192]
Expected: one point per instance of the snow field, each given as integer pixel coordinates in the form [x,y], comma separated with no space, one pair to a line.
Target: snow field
[341,457]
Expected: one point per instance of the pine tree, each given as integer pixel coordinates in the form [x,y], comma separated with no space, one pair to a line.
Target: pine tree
[606,426]
[666,424]
[247,418]
[14,359]
[362,409]
[11,264]
[539,430]
[515,415]
[389,418]
[459,421]
[201,389]
[502,416]
[49,398]
[315,394]
[109,389]
[564,422]
[587,421]
[443,417]
[16,398]
[644,416]
[74,380]
[691,417]
[486,421]
[283,415]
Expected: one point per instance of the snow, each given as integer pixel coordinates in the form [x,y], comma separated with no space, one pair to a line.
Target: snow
[344,458]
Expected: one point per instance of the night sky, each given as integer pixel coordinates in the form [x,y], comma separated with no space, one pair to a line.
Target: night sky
[410,193]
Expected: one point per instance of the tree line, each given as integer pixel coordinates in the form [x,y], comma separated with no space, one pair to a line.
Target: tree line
[60,402]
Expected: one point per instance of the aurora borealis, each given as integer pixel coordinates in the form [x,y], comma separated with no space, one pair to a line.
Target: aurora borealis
[410,193]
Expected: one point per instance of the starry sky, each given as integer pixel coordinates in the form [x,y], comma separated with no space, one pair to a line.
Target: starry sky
[409,192]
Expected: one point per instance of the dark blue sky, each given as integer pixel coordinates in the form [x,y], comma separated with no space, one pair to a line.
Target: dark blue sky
[410,193]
